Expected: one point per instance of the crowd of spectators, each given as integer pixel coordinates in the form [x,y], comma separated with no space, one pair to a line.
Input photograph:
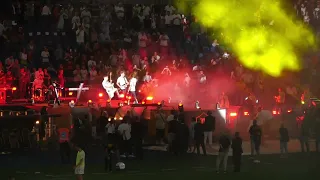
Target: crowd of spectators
[82,42]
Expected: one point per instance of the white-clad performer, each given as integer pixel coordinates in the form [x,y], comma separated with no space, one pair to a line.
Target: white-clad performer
[132,87]
[122,82]
[109,87]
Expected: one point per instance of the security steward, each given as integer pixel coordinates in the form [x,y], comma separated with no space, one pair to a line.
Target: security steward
[64,137]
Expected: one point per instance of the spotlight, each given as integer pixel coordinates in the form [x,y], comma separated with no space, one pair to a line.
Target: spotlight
[120,118]
[129,97]
[14,88]
[108,103]
[109,119]
[246,113]
[275,112]
[197,105]
[121,95]
[100,95]
[70,93]
[149,98]
[180,107]
[143,102]
[90,103]
[37,122]
[233,114]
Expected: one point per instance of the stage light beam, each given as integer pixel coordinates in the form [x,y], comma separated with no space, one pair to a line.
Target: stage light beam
[259,32]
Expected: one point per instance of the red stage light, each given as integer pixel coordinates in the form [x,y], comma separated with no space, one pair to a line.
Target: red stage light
[233,114]
[246,113]
[121,96]
[143,102]
[100,94]
[89,101]
[70,93]
[149,98]
[159,103]
[14,88]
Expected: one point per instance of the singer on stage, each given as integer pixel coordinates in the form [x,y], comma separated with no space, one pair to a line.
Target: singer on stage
[122,82]
[109,87]
[132,87]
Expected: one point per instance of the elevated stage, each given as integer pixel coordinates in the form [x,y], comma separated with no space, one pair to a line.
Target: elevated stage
[233,118]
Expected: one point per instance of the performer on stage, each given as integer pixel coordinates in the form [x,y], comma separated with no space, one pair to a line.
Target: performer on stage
[109,87]
[122,82]
[38,87]
[132,87]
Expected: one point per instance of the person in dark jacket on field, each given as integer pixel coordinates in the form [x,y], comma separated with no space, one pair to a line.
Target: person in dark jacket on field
[199,137]
[173,127]
[224,143]
[255,137]
[284,139]
[137,133]
[209,127]
[183,137]
[236,152]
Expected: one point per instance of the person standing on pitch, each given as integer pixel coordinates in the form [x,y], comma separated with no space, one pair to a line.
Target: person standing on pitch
[284,139]
[80,163]
[237,151]
[255,137]
[64,134]
[199,137]
[209,127]
[224,143]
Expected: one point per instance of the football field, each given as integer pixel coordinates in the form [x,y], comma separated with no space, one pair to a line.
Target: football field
[159,165]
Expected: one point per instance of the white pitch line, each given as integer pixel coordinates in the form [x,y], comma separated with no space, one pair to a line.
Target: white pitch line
[133,172]
[100,173]
[201,167]
[173,169]
[140,174]
[19,172]
[59,176]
